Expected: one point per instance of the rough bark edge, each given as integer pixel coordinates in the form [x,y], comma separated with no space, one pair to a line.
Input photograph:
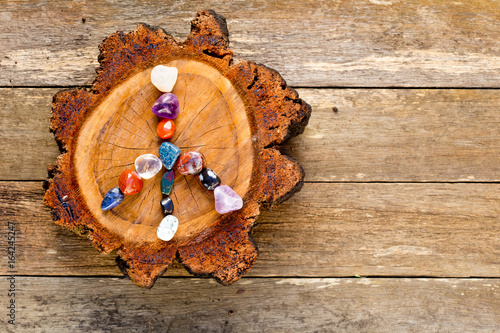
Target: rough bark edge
[279,114]
[279,111]
[229,252]
[122,55]
[209,36]
[146,266]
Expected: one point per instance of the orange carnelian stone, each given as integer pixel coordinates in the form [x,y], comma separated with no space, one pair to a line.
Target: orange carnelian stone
[130,182]
[166,129]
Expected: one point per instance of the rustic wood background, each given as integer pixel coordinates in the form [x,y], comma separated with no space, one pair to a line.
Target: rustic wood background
[397,228]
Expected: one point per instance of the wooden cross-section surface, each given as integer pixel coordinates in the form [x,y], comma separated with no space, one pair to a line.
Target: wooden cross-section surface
[397,227]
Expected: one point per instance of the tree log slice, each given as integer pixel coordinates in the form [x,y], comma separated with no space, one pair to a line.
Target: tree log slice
[236,113]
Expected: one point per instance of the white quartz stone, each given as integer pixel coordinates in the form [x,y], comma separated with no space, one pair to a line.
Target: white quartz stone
[167,228]
[147,165]
[164,77]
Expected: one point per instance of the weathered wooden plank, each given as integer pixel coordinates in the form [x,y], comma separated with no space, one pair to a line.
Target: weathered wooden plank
[325,230]
[384,230]
[400,135]
[376,135]
[28,146]
[255,305]
[315,43]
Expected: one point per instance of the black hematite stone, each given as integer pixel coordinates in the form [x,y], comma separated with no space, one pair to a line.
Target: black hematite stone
[167,205]
[209,179]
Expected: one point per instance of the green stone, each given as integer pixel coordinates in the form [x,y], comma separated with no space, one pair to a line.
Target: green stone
[167,182]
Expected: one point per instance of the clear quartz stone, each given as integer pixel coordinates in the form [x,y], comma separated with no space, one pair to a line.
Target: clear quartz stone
[167,228]
[147,165]
[226,200]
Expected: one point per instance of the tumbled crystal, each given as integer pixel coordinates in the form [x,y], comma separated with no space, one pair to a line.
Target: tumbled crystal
[209,179]
[168,205]
[164,77]
[169,154]
[166,106]
[226,200]
[130,182]
[113,198]
[191,163]
[167,182]
[165,129]
[147,165]
[167,228]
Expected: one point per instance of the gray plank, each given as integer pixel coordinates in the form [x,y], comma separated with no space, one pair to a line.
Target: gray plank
[255,305]
[413,135]
[315,43]
[330,230]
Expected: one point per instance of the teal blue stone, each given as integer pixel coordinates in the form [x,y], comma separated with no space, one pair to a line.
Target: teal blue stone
[169,154]
[167,182]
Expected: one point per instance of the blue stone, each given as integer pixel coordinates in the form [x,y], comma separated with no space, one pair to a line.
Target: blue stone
[113,198]
[167,182]
[169,154]
[167,205]
[209,179]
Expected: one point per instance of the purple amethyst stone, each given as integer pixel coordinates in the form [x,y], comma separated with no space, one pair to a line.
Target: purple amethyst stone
[226,200]
[166,106]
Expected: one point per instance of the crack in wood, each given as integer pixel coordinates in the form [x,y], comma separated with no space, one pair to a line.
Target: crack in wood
[123,147]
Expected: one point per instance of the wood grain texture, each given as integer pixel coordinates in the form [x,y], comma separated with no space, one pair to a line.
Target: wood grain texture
[330,230]
[25,135]
[376,135]
[212,121]
[401,135]
[250,112]
[257,305]
[349,43]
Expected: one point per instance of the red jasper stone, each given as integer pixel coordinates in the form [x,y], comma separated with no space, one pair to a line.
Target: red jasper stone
[166,129]
[191,163]
[130,182]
